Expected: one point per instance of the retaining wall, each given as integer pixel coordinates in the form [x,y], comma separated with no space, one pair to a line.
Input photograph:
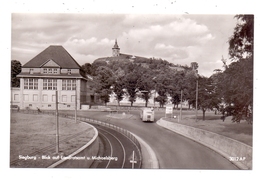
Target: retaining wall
[239,153]
[87,151]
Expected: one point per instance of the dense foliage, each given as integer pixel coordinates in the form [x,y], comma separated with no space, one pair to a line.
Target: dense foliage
[142,78]
[15,70]
[235,83]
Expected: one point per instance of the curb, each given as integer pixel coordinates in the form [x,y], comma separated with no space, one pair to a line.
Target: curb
[77,151]
[152,161]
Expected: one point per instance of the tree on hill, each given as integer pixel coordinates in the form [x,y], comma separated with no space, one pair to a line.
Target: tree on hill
[132,81]
[87,68]
[178,89]
[162,82]
[190,95]
[16,68]
[145,86]
[104,79]
[118,89]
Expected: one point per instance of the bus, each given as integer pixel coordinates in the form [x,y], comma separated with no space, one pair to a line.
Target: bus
[147,114]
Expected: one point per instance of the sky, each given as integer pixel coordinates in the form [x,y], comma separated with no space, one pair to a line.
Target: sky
[177,38]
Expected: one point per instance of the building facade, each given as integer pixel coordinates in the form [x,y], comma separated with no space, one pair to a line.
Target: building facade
[54,69]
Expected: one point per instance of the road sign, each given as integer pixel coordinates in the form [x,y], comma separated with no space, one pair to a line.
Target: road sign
[168,110]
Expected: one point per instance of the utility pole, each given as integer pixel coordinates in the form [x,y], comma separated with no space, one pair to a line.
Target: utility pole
[75,100]
[57,124]
[181,107]
[197,86]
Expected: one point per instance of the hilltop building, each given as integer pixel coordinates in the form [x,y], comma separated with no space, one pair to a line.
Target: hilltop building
[52,69]
[116,50]
[117,56]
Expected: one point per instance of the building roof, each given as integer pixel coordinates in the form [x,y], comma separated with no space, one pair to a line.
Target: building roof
[56,53]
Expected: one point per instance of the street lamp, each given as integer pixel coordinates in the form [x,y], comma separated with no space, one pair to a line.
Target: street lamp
[57,124]
[181,106]
[197,85]
[154,96]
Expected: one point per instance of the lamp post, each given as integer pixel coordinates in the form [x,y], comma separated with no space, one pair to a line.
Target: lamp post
[75,100]
[154,97]
[57,123]
[197,85]
[181,106]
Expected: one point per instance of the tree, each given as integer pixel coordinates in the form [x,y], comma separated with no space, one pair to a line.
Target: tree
[241,43]
[194,65]
[16,68]
[208,98]
[130,82]
[162,83]
[104,79]
[237,79]
[145,85]
[191,92]
[118,89]
[237,87]
[178,86]
[87,68]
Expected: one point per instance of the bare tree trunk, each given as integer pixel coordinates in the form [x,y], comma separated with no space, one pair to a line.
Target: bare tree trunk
[204,111]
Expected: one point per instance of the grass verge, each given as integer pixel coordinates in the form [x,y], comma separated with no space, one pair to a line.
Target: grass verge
[242,131]
[33,137]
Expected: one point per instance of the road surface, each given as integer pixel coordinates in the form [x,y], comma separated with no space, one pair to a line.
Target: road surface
[172,150]
[115,150]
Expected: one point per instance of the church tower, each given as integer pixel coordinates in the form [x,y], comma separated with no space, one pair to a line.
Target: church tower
[115,50]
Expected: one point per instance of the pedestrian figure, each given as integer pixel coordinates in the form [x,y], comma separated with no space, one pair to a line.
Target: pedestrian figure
[38,109]
[223,117]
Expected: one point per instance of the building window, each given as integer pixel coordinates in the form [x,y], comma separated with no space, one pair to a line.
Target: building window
[25,97]
[50,84]
[69,71]
[49,105]
[73,98]
[31,71]
[54,98]
[35,97]
[45,98]
[16,97]
[31,84]
[64,98]
[69,84]
[50,71]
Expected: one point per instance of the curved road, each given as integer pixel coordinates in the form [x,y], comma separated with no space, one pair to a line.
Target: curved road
[115,150]
[172,150]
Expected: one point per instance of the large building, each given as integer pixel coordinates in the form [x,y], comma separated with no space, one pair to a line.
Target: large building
[54,69]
